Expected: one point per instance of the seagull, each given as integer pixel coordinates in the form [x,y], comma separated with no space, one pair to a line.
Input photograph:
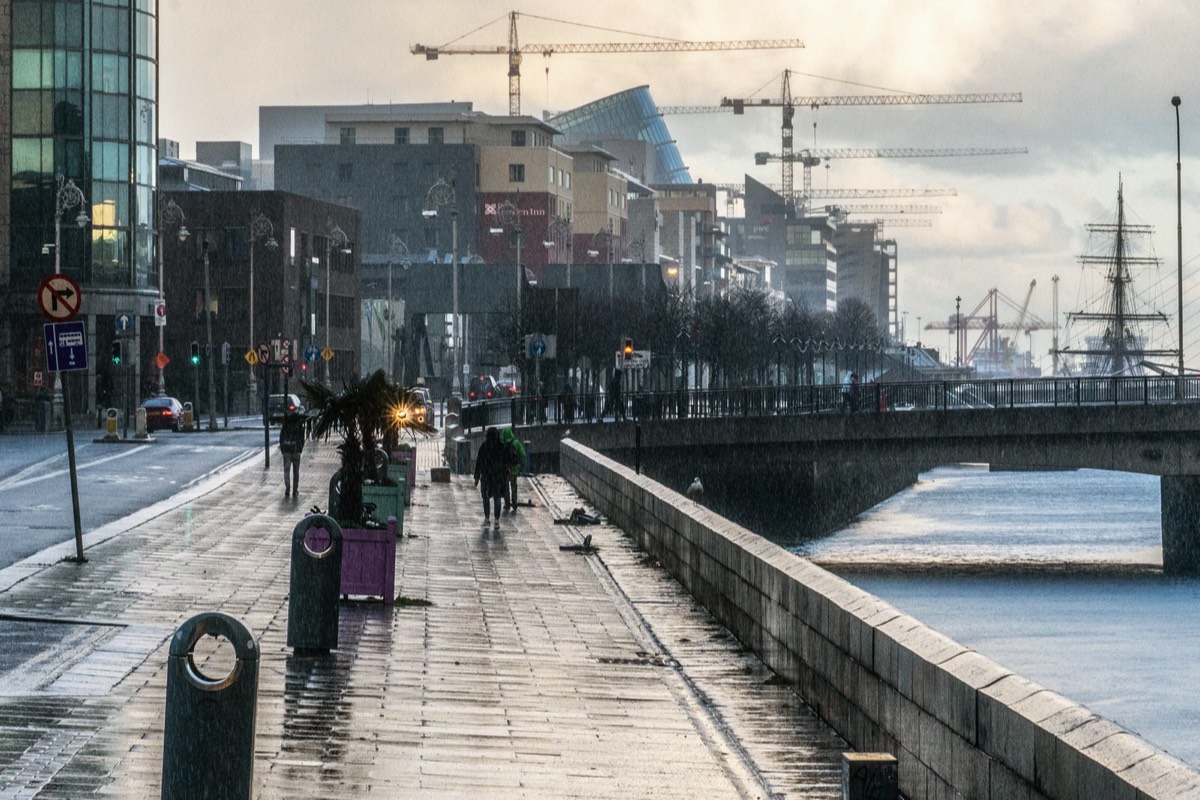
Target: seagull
[696,489]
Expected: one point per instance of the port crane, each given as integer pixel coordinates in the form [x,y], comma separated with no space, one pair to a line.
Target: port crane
[516,51]
[994,351]
[788,103]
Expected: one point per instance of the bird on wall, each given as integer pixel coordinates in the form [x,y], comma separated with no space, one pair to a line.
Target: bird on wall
[695,489]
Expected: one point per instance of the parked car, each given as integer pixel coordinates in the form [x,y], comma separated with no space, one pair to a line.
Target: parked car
[425,404]
[483,387]
[508,388]
[279,404]
[163,413]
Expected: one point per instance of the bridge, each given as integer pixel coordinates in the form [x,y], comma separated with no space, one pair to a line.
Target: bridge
[808,451]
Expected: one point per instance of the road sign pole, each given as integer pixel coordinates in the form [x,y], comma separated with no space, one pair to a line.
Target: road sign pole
[66,393]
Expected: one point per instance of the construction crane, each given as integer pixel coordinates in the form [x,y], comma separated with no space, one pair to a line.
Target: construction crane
[788,104]
[735,190]
[884,209]
[515,51]
[812,158]
[993,348]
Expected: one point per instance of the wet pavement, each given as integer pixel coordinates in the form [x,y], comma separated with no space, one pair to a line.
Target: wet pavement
[507,668]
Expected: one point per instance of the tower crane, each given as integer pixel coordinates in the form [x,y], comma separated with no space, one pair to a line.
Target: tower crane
[515,51]
[788,104]
[812,158]
[736,190]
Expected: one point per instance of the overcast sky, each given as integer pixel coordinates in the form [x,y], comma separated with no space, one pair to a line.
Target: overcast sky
[1097,77]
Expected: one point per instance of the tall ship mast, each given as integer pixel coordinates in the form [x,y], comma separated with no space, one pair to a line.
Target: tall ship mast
[1117,333]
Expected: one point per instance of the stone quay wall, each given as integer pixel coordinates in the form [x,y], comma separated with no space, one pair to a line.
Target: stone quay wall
[959,724]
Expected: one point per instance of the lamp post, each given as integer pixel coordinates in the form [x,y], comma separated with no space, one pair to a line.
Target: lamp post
[67,197]
[208,352]
[260,226]
[335,234]
[1179,211]
[168,215]
[510,217]
[958,331]
[443,194]
[605,236]
[560,231]
[397,249]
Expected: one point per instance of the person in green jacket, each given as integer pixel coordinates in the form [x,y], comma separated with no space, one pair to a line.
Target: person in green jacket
[516,460]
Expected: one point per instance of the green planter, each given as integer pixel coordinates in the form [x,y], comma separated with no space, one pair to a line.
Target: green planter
[388,500]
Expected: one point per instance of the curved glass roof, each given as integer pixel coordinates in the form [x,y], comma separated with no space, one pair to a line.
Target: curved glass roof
[631,114]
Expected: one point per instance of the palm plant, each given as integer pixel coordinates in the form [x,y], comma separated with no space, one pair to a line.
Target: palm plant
[364,411]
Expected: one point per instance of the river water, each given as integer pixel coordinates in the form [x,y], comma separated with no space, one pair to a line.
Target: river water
[1054,575]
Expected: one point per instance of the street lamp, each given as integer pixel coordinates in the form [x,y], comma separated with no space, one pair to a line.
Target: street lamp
[1179,211]
[168,215]
[604,237]
[510,217]
[335,234]
[260,226]
[443,194]
[958,331]
[67,197]
[208,352]
[397,249]
[560,231]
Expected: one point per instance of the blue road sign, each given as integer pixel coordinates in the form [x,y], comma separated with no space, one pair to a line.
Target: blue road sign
[66,346]
[124,321]
[537,346]
[312,353]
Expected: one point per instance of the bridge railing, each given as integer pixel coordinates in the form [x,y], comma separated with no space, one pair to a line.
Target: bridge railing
[758,401]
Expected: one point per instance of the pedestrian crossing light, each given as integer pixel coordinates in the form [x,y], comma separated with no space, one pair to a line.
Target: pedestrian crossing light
[195,353]
[627,350]
[116,353]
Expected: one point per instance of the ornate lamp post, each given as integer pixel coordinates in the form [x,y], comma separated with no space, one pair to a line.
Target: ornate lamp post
[443,194]
[260,226]
[958,331]
[397,249]
[335,234]
[560,231]
[604,236]
[169,215]
[510,217]
[67,197]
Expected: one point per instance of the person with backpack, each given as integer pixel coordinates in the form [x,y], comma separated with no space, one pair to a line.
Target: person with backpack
[291,445]
[515,458]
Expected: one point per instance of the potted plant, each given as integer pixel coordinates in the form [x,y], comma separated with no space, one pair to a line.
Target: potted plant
[365,413]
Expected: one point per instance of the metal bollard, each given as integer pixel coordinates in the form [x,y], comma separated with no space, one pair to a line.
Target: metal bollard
[316,584]
[208,736]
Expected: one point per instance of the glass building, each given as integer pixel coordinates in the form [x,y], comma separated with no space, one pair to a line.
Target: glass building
[83,89]
[633,115]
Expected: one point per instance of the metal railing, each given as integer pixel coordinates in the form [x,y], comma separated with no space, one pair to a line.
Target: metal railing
[833,399]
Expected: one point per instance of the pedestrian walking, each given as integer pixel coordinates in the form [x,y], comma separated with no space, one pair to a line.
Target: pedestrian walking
[514,454]
[614,395]
[291,445]
[491,474]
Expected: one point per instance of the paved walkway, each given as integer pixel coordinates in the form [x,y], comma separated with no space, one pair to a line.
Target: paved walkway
[533,672]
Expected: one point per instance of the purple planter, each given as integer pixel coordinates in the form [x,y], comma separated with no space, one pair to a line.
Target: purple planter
[368,559]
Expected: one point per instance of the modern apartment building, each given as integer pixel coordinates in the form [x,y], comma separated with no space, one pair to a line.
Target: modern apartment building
[79,120]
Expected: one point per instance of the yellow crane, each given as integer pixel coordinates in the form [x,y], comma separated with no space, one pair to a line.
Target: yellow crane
[515,51]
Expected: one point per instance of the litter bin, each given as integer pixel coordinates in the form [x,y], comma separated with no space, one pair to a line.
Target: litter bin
[462,455]
[316,583]
[208,735]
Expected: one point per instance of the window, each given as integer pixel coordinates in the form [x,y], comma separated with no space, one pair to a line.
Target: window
[552,176]
[346,136]
[516,173]
[437,135]
[518,138]
[401,135]
[345,173]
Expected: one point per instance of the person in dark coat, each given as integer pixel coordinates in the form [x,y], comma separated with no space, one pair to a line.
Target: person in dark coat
[614,396]
[291,445]
[491,474]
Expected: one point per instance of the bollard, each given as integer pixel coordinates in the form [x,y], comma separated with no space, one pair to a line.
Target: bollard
[869,776]
[462,455]
[139,424]
[316,584]
[188,416]
[110,425]
[208,735]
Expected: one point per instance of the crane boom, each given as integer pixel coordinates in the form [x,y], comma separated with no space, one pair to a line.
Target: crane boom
[515,50]
[738,105]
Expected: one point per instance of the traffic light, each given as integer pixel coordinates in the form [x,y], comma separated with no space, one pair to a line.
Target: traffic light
[116,352]
[195,353]
[627,349]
